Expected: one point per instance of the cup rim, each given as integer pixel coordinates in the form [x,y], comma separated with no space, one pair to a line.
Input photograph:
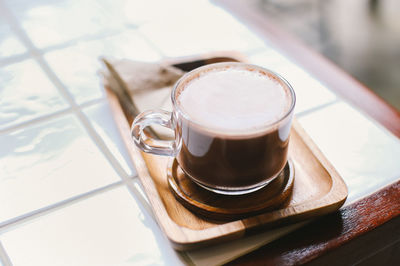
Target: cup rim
[217,131]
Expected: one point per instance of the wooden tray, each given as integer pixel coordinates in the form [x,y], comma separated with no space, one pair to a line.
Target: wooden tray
[318,189]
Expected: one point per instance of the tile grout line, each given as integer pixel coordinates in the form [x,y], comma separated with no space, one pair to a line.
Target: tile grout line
[32,49]
[47,117]
[62,90]
[150,42]
[246,52]
[145,206]
[14,59]
[11,223]
[35,121]
[19,32]
[255,51]
[74,108]
[83,119]
[317,108]
[138,196]
[4,258]
[77,40]
[127,180]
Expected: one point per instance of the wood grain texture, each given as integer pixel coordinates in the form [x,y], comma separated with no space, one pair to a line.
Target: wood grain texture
[318,189]
[328,73]
[334,230]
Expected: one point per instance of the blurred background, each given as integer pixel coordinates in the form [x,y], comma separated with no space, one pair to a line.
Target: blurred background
[361,36]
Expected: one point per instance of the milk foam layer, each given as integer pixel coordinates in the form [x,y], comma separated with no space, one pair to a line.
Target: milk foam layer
[235,99]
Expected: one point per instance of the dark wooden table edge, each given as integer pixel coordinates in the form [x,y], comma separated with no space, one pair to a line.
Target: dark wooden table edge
[358,219]
[331,231]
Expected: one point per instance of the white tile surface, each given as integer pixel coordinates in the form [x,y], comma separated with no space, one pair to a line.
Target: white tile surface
[9,44]
[310,92]
[47,163]
[26,93]
[198,27]
[366,155]
[107,229]
[100,116]
[78,65]
[50,23]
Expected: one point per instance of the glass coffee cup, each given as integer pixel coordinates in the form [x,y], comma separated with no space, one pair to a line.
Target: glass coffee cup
[231,123]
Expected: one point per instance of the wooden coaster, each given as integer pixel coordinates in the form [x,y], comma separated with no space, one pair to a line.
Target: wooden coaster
[229,207]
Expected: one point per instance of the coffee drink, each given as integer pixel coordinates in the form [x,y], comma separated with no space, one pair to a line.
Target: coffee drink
[231,124]
[231,140]
[234,101]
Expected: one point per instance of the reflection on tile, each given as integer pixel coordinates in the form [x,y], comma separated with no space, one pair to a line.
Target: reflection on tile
[107,229]
[199,27]
[26,93]
[309,91]
[47,163]
[100,117]
[78,65]
[9,44]
[223,253]
[364,154]
[140,189]
[49,22]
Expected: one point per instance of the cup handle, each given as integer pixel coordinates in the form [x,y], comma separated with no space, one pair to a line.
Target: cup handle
[157,146]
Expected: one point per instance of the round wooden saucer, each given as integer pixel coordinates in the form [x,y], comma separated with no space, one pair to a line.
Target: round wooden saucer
[229,207]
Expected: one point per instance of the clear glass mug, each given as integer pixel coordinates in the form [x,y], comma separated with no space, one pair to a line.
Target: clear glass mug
[226,164]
